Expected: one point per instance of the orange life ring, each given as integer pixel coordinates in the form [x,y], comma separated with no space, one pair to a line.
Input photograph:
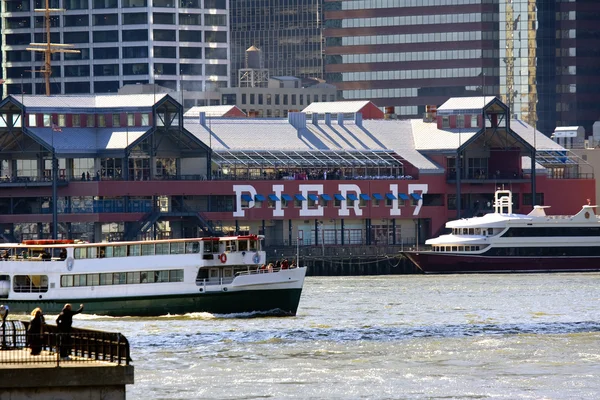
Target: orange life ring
[223,258]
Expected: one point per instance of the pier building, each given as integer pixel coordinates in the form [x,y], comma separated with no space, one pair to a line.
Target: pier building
[134,166]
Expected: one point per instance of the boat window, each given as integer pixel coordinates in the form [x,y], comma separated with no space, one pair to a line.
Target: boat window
[119,278]
[80,253]
[176,275]
[161,276]
[484,232]
[454,248]
[162,248]
[93,279]
[148,249]
[478,231]
[192,247]
[66,280]
[177,248]
[106,279]
[491,231]
[133,277]
[30,283]
[242,245]
[119,251]
[211,247]
[461,248]
[230,245]
[109,251]
[253,245]
[471,231]
[135,250]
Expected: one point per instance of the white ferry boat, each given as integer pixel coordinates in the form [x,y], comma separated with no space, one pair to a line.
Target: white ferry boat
[505,242]
[147,278]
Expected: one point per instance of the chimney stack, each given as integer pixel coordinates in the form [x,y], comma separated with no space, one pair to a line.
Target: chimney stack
[315,118]
[202,116]
[327,118]
[340,119]
[358,119]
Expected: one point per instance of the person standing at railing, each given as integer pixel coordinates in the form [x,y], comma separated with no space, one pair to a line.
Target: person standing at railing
[35,332]
[64,321]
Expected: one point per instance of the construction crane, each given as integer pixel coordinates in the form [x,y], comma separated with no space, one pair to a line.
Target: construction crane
[49,48]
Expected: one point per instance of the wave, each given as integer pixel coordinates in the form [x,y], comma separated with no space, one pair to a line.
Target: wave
[382,334]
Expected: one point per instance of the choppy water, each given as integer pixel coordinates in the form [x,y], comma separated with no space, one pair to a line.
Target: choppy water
[394,337]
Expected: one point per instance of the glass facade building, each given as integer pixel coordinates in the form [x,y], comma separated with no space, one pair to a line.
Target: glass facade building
[288,33]
[174,43]
[411,53]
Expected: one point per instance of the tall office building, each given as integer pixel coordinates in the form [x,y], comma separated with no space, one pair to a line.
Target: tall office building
[287,32]
[174,43]
[408,54]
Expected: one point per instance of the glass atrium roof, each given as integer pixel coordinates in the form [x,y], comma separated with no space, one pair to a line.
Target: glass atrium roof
[312,158]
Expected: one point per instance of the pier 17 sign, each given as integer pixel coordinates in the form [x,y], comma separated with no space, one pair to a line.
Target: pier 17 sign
[307,190]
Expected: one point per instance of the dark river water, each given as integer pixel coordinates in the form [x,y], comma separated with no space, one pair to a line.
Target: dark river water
[530,336]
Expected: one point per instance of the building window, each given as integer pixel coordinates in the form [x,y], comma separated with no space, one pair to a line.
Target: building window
[130,120]
[285,99]
[32,120]
[260,99]
[76,120]
[62,120]
[244,98]
[293,99]
[445,122]
[90,121]
[145,119]
[101,121]
[47,120]
[460,121]
[268,99]
[474,122]
[276,99]
[301,99]
[116,120]
[251,98]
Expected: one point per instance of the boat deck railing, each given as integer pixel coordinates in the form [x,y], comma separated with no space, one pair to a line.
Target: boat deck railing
[84,346]
[228,280]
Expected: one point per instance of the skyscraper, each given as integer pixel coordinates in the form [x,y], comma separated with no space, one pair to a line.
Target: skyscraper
[174,43]
[288,33]
[540,57]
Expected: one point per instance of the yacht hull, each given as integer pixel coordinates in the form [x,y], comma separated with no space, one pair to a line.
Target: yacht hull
[435,263]
[277,301]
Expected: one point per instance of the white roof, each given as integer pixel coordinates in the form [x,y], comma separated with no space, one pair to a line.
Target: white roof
[89,101]
[210,111]
[336,107]
[466,103]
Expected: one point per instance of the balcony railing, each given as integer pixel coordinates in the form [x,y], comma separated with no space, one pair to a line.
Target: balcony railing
[84,346]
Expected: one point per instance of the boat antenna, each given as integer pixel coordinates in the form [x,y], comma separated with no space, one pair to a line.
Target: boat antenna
[49,48]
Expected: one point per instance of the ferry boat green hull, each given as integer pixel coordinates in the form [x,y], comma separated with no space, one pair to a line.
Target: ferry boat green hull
[282,302]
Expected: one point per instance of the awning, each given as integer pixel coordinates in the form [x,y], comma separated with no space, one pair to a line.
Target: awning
[286,197]
[352,197]
[390,196]
[313,197]
[326,197]
[365,196]
[403,196]
[272,197]
[377,196]
[247,197]
[299,197]
[339,197]
[259,197]
[416,196]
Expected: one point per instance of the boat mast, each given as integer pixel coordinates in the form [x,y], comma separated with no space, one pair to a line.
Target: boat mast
[49,48]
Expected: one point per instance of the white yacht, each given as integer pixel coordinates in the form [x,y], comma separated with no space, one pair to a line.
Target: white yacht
[148,278]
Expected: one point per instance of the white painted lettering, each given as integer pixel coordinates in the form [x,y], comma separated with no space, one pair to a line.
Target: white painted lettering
[344,189]
[395,210]
[239,190]
[313,212]
[415,188]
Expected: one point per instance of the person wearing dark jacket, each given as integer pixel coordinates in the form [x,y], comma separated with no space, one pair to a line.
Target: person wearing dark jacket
[64,321]
[35,332]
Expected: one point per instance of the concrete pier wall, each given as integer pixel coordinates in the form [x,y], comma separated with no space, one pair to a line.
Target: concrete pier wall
[83,382]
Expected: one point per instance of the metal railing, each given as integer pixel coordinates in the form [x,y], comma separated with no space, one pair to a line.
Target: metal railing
[83,346]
